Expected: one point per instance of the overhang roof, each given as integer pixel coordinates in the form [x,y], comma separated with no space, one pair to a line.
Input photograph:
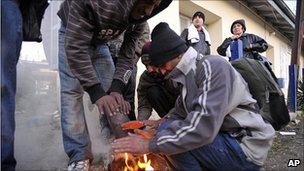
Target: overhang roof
[276,13]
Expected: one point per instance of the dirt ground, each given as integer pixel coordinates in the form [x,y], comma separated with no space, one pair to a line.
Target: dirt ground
[284,147]
[287,147]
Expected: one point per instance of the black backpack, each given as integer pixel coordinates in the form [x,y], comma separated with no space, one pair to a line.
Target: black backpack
[264,88]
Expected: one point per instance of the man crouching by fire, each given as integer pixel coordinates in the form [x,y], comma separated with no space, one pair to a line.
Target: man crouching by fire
[206,130]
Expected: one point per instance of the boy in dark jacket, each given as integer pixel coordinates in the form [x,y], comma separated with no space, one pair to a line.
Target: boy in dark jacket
[85,63]
[252,44]
[154,91]
[206,130]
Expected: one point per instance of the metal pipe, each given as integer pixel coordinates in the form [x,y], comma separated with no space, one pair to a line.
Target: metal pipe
[295,53]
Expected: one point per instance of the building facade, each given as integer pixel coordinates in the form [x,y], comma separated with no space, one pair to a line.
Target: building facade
[221,14]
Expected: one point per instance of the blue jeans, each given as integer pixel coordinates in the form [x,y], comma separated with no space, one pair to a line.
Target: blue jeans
[223,154]
[75,134]
[11,40]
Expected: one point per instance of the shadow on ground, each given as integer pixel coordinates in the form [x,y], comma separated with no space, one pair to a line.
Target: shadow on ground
[287,147]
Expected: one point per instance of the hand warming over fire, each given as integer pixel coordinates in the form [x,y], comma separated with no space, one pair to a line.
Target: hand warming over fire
[133,143]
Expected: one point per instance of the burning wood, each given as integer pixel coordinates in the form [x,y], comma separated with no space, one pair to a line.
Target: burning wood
[128,162]
[120,125]
[115,123]
[146,165]
[132,125]
[128,167]
[135,126]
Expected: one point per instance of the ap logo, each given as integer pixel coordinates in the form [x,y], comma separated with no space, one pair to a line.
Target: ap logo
[293,162]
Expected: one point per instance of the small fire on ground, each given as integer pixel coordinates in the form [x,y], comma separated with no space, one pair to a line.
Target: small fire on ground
[128,162]
[146,165]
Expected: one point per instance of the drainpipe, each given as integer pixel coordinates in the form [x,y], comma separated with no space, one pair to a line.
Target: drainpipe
[293,67]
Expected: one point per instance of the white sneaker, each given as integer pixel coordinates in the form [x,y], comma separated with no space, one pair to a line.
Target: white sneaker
[83,165]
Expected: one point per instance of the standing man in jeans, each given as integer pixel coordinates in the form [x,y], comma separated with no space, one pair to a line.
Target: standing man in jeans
[11,39]
[85,63]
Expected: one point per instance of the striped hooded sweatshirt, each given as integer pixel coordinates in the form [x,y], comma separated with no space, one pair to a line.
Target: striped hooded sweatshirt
[211,94]
[91,22]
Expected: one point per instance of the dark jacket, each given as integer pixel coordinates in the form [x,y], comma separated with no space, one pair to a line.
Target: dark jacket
[114,45]
[32,13]
[258,45]
[202,46]
[90,22]
[145,82]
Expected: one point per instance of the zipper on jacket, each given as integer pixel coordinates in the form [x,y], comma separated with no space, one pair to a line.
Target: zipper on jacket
[267,95]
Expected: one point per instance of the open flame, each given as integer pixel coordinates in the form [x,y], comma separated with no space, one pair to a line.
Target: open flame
[127,167]
[146,165]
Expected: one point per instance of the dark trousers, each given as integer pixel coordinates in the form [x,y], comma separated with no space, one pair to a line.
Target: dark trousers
[11,40]
[223,154]
[161,100]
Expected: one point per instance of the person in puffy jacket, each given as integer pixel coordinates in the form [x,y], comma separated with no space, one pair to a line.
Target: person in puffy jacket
[252,44]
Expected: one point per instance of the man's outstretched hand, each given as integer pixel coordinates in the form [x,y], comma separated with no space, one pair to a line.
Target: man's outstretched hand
[124,106]
[113,104]
[133,143]
[107,104]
